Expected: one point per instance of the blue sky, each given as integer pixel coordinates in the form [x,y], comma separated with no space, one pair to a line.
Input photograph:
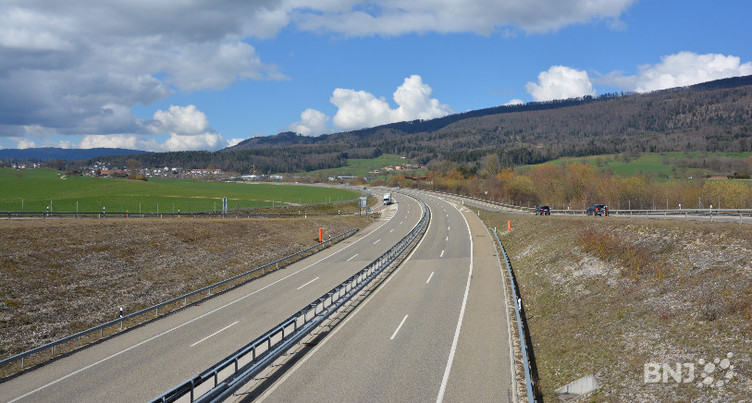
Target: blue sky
[172,75]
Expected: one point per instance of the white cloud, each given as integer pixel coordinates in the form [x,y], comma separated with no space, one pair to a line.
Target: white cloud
[679,70]
[560,82]
[78,68]
[312,123]
[515,101]
[128,141]
[397,17]
[188,127]
[234,142]
[182,120]
[25,143]
[359,109]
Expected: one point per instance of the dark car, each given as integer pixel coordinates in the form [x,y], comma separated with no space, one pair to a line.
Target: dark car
[542,210]
[597,209]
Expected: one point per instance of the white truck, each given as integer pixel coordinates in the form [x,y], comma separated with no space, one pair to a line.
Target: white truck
[388,198]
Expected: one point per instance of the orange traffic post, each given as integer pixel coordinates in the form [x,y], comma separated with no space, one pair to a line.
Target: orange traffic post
[509,226]
[321,235]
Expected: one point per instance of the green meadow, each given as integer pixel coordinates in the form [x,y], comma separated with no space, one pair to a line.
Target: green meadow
[37,189]
[652,164]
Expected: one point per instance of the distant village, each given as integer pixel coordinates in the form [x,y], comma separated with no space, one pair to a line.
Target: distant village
[102,170]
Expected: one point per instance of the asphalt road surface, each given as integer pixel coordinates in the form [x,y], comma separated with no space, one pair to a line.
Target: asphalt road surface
[436,330]
[146,362]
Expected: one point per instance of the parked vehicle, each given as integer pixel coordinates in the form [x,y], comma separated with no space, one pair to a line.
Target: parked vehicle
[597,209]
[388,198]
[542,210]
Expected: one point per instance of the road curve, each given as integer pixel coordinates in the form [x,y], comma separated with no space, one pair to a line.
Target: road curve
[145,362]
[436,330]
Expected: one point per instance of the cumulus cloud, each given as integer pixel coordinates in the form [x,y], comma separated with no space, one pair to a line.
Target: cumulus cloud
[77,68]
[312,123]
[560,82]
[359,109]
[514,101]
[25,143]
[186,126]
[679,70]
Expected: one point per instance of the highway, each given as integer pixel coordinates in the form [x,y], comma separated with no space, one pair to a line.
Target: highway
[145,362]
[436,330]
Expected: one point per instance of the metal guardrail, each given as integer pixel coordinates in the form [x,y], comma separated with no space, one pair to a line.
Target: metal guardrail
[125,214]
[231,282]
[521,325]
[708,212]
[250,360]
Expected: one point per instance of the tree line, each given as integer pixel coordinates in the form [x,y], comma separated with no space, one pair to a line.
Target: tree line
[577,185]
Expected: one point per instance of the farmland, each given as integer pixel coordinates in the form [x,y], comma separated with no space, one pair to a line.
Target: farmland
[36,190]
[668,164]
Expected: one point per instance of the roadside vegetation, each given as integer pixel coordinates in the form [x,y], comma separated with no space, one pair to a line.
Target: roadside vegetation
[61,276]
[578,184]
[606,296]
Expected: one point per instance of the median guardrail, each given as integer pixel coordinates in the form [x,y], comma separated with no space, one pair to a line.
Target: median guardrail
[118,325]
[240,367]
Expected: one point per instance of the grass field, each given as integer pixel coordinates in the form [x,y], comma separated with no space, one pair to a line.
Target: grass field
[652,164]
[36,189]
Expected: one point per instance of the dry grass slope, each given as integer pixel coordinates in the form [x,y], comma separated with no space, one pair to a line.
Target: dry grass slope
[606,296]
[58,277]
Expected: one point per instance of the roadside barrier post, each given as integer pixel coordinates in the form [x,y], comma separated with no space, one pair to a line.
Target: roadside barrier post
[509,226]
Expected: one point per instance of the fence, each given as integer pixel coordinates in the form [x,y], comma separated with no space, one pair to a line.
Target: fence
[125,214]
[525,346]
[117,325]
[241,366]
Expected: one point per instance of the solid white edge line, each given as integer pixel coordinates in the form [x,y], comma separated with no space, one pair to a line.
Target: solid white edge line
[215,333]
[448,369]
[429,277]
[190,321]
[398,328]
[299,288]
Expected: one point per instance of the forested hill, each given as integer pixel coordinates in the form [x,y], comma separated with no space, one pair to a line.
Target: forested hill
[713,116]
